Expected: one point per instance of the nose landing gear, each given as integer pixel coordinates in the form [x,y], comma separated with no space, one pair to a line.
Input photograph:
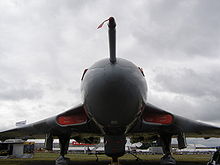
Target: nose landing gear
[115,161]
[115,147]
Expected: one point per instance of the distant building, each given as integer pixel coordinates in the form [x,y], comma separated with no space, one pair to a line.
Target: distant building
[156,150]
[16,148]
[21,123]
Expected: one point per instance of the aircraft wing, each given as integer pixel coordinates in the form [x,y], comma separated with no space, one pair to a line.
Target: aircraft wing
[157,121]
[73,122]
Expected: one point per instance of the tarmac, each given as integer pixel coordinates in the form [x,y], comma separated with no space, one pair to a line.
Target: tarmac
[108,162]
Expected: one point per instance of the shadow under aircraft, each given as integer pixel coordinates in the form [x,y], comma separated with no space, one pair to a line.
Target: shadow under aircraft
[114,106]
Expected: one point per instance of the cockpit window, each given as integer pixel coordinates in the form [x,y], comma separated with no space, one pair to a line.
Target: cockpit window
[142,71]
[84,74]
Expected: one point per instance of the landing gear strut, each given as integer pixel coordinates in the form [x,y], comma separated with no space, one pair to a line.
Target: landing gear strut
[167,159]
[215,160]
[115,161]
[64,144]
[115,147]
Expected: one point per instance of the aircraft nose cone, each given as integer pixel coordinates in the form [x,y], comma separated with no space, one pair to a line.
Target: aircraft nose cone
[113,100]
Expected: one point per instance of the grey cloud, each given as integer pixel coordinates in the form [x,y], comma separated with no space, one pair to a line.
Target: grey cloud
[189,93]
[19,94]
[177,28]
[209,110]
[45,45]
[203,109]
[15,91]
[188,82]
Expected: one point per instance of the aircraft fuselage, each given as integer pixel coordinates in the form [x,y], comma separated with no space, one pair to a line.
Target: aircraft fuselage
[114,94]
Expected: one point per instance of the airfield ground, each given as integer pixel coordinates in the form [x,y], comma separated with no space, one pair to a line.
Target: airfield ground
[84,159]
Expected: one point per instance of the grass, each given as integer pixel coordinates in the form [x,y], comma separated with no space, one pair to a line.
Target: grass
[49,158]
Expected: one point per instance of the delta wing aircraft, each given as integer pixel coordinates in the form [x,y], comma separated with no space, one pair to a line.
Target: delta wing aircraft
[114,106]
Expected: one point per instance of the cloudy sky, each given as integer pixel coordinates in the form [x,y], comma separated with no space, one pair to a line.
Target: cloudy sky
[45,45]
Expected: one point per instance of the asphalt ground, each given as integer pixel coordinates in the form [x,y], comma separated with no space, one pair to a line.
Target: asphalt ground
[84,159]
[121,162]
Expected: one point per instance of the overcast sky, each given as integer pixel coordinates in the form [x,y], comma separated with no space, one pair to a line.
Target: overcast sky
[46,44]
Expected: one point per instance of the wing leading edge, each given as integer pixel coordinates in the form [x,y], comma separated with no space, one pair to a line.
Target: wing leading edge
[156,121]
[73,121]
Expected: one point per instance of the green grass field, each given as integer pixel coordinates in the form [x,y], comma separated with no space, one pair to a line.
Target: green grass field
[78,159]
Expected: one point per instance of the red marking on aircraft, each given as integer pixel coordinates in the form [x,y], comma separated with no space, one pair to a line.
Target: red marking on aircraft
[159,118]
[72,119]
[74,143]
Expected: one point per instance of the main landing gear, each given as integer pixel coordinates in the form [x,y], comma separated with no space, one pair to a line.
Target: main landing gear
[215,160]
[64,144]
[167,159]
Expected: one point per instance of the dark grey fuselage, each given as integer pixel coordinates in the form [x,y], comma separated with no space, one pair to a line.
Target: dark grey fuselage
[114,93]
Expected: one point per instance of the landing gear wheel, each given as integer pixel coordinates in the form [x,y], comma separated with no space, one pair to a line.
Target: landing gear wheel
[209,163]
[115,161]
[167,160]
[61,160]
[64,144]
